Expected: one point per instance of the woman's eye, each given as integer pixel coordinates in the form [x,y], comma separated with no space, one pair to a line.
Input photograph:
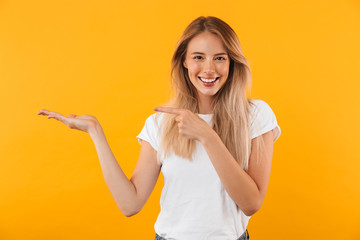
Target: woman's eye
[218,58]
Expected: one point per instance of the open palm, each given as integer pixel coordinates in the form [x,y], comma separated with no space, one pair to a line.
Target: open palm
[83,122]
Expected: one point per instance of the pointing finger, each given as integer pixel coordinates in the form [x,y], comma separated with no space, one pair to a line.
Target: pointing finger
[168,110]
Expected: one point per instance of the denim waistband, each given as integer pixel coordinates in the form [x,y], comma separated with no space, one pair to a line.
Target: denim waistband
[244,236]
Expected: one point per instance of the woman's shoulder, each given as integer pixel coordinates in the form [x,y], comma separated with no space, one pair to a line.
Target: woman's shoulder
[260,109]
[155,119]
[263,119]
[258,104]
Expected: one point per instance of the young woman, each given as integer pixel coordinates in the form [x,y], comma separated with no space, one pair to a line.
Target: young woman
[212,144]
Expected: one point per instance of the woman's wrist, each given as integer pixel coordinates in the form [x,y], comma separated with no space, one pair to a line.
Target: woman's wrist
[208,137]
[95,129]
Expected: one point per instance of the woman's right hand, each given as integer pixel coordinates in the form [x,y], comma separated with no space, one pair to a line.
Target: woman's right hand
[84,122]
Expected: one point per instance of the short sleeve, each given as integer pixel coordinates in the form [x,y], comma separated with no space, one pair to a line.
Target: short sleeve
[263,120]
[149,132]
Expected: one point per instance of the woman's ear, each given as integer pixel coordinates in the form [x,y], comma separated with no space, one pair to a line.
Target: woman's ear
[184,63]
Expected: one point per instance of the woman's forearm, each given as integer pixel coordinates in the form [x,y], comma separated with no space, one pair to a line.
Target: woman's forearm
[121,188]
[238,184]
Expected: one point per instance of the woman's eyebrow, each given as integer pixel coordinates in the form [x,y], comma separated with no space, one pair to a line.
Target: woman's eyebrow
[204,53]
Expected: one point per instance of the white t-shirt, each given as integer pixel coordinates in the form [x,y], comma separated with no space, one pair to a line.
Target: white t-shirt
[194,203]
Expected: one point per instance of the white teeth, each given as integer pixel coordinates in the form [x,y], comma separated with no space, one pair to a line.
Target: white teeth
[207,80]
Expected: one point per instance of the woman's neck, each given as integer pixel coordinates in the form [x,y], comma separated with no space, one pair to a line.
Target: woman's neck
[205,105]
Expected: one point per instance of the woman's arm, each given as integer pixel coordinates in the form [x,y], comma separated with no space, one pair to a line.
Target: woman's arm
[129,195]
[247,189]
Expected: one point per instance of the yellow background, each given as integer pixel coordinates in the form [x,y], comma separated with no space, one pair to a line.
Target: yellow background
[111,59]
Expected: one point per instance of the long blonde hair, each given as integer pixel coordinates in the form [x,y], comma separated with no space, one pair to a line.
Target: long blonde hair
[231,120]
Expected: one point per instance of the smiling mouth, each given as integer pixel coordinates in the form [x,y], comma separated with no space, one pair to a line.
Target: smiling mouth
[210,80]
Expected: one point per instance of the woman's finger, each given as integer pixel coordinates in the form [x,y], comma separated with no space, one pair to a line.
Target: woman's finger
[45,112]
[58,117]
[53,115]
[168,110]
[178,118]
[42,112]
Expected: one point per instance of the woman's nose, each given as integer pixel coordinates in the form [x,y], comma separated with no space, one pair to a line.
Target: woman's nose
[209,66]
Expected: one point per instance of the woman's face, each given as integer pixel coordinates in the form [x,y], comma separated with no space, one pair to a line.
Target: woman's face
[207,63]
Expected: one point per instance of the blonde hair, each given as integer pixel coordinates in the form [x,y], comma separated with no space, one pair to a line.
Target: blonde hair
[231,109]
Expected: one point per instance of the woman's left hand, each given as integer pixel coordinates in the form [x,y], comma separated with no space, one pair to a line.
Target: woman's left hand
[190,125]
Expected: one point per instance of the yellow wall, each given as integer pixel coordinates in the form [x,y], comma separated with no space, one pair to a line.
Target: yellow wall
[111,59]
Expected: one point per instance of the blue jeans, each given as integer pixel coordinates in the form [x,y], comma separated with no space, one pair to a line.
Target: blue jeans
[244,236]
